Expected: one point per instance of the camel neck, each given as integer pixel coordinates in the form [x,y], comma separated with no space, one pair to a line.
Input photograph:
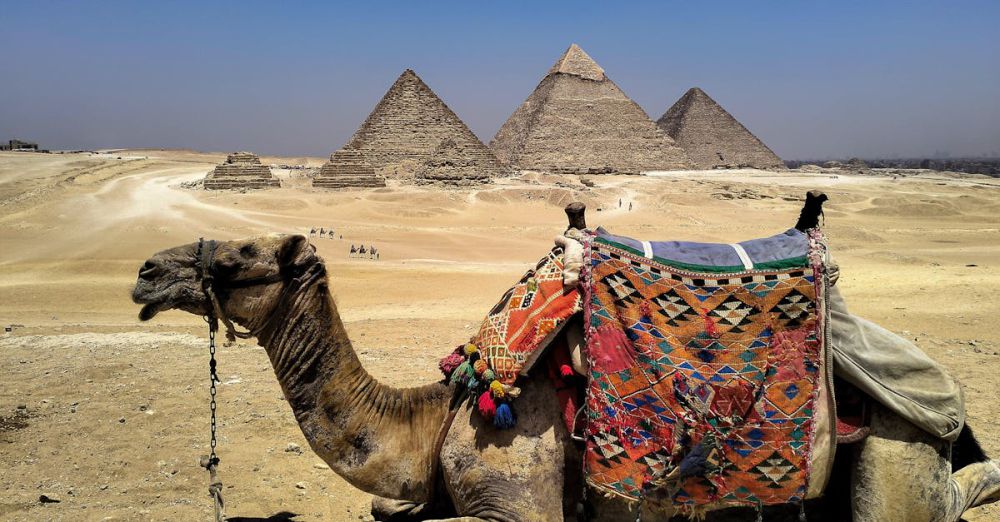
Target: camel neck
[354,423]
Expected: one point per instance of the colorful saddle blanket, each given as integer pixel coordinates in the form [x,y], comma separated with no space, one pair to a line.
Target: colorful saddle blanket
[705,361]
[704,369]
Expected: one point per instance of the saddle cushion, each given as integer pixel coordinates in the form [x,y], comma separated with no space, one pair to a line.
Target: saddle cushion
[511,339]
[704,376]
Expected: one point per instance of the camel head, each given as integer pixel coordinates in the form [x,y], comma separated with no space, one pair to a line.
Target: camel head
[247,277]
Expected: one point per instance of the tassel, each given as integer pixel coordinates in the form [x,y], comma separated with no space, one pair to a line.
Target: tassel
[470,349]
[497,388]
[488,376]
[449,363]
[462,373]
[504,418]
[487,408]
[472,383]
[566,370]
[480,366]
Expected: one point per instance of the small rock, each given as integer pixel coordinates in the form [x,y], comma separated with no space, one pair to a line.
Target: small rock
[122,420]
[104,487]
[321,465]
[143,407]
[300,485]
[22,406]
[48,499]
[293,448]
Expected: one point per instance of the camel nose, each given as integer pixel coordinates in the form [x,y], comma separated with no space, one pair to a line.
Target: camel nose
[149,269]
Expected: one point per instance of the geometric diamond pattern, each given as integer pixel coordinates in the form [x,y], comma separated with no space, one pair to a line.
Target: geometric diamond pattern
[702,385]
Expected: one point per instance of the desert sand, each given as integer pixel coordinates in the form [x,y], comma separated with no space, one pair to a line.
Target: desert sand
[109,415]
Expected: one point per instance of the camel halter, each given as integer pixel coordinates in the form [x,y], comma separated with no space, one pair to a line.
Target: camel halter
[297,280]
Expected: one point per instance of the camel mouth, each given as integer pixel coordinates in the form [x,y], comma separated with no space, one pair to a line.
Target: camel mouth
[149,310]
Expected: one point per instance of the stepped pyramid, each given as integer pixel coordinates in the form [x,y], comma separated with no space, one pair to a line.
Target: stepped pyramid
[454,164]
[578,121]
[712,137]
[409,124]
[347,168]
[240,170]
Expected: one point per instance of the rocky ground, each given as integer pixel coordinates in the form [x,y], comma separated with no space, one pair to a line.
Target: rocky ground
[104,418]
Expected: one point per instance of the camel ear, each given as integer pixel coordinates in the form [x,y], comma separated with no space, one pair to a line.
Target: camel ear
[295,251]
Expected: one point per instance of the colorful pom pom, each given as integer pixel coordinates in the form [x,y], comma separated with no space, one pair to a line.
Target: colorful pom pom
[449,363]
[566,370]
[480,366]
[470,349]
[504,417]
[497,388]
[462,373]
[488,376]
[487,408]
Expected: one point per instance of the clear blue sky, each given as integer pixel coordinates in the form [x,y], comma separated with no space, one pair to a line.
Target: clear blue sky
[812,79]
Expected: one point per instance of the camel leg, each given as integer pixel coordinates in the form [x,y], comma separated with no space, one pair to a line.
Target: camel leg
[975,485]
[516,474]
[391,510]
[903,473]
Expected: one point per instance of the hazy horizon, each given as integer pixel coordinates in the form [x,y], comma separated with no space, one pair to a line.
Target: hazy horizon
[812,81]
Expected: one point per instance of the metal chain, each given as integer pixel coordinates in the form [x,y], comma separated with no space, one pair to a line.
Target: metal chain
[211,462]
[212,379]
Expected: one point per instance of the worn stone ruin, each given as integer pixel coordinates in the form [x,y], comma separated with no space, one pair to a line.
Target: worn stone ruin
[347,168]
[241,170]
[713,138]
[408,125]
[457,164]
[578,121]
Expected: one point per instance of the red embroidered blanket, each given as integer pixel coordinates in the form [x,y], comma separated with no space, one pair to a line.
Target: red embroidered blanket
[703,383]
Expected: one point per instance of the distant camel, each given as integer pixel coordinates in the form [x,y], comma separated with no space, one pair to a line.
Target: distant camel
[362,251]
[373,254]
[312,231]
[322,231]
[354,251]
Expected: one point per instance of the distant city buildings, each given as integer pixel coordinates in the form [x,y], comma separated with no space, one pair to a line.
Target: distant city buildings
[17,144]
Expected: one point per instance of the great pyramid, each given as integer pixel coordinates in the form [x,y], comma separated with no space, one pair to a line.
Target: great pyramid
[578,121]
[409,124]
[240,170]
[453,164]
[712,137]
[347,168]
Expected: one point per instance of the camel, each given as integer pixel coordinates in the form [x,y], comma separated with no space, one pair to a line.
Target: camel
[353,251]
[391,443]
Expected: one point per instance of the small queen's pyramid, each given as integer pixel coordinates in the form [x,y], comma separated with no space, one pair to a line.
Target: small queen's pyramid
[578,121]
[453,164]
[713,138]
[241,170]
[347,168]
